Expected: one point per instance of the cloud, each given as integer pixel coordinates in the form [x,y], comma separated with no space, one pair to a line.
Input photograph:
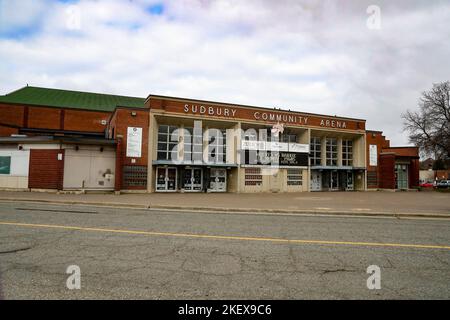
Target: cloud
[312,56]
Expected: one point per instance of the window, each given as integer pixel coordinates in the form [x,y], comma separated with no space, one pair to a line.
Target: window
[5,165]
[253,177]
[250,135]
[347,153]
[290,138]
[193,145]
[217,141]
[332,152]
[294,177]
[167,141]
[316,151]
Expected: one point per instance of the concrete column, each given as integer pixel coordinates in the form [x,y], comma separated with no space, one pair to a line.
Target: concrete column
[238,137]
[308,178]
[324,151]
[339,150]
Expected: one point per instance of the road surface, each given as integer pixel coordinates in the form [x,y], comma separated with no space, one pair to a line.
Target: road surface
[149,254]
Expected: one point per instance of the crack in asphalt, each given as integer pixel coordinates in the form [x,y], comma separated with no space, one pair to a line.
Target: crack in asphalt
[15,250]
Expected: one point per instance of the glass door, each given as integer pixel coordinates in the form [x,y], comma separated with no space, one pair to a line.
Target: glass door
[193,179]
[349,181]
[171,179]
[334,181]
[197,179]
[161,184]
[218,180]
[166,179]
[316,181]
[401,176]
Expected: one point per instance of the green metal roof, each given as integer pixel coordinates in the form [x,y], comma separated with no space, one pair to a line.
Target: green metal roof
[70,99]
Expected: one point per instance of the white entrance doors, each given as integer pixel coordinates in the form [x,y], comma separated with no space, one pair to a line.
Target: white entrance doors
[166,179]
[193,179]
[316,181]
[218,180]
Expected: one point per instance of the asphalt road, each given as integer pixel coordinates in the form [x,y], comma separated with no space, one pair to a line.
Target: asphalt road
[141,254]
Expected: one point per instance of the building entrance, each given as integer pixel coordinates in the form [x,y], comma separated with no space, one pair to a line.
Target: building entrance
[316,181]
[193,179]
[218,180]
[401,176]
[166,179]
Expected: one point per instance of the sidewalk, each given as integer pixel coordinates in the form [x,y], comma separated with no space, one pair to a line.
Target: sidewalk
[426,204]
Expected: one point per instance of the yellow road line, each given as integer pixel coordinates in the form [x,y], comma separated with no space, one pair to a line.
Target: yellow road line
[217,237]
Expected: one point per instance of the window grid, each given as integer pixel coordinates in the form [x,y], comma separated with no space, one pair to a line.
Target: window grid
[332,152]
[193,145]
[347,153]
[166,142]
[316,151]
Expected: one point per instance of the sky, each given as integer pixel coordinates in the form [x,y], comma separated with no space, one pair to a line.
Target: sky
[361,59]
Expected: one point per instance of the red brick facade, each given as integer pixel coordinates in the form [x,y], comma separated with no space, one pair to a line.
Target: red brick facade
[117,129]
[46,171]
[383,175]
[52,118]
[387,171]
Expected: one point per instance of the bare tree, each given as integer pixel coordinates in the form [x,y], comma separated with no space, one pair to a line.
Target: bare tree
[429,127]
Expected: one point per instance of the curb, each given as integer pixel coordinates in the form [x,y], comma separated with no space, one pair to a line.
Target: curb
[232,210]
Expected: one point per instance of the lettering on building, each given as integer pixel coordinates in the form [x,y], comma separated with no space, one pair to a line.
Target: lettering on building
[210,110]
[333,123]
[280,117]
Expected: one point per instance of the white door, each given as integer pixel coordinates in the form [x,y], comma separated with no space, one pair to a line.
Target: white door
[166,179]
[89,169]
[316,181]
[218,180]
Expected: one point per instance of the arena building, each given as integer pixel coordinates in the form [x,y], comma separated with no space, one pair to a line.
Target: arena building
[67,140]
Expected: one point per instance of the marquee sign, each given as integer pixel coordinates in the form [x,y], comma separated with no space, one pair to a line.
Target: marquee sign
[274,146]
[274,158]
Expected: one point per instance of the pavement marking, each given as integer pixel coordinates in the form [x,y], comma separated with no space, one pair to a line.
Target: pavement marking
[218,237]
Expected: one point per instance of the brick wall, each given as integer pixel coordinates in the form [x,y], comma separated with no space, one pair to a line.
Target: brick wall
[414,168]
[52,118]
[387,171]
[120,121]
[374,172]
[79,120]
[7,131]
[46,171]
[11,115]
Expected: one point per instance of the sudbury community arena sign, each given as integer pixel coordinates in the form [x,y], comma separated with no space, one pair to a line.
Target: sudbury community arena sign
[232,112]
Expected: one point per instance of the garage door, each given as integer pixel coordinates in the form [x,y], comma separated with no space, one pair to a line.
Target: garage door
[89,169]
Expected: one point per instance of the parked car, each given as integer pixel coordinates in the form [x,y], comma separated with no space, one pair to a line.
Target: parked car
[427,185]
[443,184]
